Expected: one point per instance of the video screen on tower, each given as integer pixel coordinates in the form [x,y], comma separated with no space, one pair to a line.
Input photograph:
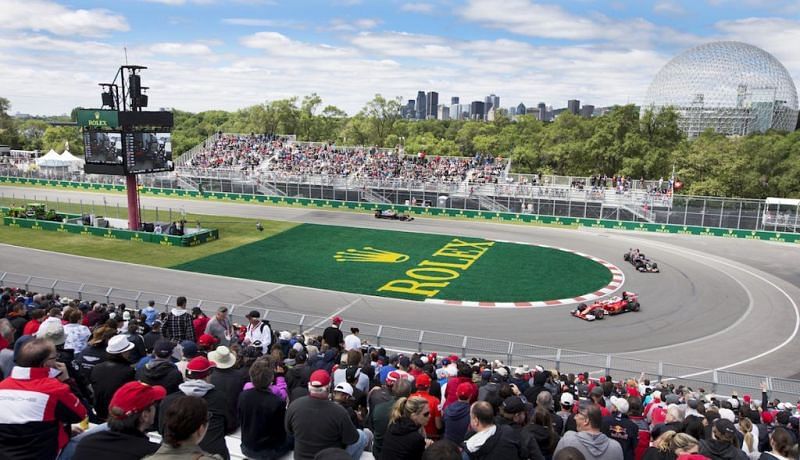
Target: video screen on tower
[102,147]
[148,151]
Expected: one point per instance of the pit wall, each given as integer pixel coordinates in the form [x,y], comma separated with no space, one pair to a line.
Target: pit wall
[783,237]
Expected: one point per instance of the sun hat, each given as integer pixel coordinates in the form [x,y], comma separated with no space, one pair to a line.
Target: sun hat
[223,356]
[52,331]
[118,344]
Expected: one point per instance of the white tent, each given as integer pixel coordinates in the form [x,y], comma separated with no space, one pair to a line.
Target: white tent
[51,160]
[71,160]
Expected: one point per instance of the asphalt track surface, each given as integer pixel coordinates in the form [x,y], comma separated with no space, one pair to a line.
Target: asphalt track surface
[717,303]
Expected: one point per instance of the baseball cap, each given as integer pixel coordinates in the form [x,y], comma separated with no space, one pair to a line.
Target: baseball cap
[767,417]
[134,397]
[319,379]
[724,425]
[253,314]
[464,390]
[206,340]
[621,404]
[395,376]
[163,348]
[597,391]
[199,366]
[657,395]
[727,414]
[189,349]
[513,405]
[337,320]
[344,387]
[671,398]
[423,381]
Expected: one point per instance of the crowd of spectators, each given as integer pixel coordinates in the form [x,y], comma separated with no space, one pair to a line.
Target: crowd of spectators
[88,380]
[282,158]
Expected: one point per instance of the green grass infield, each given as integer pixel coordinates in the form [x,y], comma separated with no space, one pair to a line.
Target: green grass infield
[406,265]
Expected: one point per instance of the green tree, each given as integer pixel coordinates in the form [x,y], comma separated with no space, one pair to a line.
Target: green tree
[57,137]
[381,115]
[9,135]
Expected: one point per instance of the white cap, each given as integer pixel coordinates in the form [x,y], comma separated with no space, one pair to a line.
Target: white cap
[621,404]
[657,395]
[727,414]
[344,387]
[567,399]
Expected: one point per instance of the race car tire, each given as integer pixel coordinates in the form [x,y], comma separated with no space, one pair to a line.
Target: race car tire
[634,306]
[626,257]
[654,266]
[600,314]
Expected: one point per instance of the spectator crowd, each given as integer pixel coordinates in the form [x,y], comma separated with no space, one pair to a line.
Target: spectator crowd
[88,380]
[283,157]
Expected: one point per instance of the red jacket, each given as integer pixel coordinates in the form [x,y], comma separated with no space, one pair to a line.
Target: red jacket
[199,325]
[31,327]
[37,411]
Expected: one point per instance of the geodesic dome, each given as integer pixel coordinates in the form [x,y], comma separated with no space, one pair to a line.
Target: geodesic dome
[731,87]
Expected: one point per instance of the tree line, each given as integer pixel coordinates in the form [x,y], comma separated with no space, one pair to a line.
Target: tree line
[621,142]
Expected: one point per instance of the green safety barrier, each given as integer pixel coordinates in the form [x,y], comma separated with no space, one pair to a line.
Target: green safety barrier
[194,239]
[783,237]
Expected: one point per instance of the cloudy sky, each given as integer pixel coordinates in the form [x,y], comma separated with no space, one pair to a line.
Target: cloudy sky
[228,54]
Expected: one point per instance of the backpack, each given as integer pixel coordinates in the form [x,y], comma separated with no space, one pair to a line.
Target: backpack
[273,334]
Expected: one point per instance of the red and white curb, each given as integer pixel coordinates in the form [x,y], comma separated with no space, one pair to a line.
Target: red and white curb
[617,280]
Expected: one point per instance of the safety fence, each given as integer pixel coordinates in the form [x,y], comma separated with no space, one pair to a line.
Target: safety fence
[415,340]
[596,221]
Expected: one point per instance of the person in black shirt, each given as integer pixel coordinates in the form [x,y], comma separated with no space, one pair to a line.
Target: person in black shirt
[332,335]
[261,415]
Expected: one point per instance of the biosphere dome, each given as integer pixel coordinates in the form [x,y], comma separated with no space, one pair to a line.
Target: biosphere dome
[732,87]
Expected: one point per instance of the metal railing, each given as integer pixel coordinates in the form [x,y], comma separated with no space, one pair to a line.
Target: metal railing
[400,338]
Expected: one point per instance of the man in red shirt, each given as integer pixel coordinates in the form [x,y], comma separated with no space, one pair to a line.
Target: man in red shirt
[38,407]
[32,326]
[435,420]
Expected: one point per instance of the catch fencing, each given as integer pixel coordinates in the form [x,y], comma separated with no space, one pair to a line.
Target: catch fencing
[414,340]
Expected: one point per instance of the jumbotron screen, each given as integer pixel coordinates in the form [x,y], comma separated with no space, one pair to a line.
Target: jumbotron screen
[102,147]
[148,151]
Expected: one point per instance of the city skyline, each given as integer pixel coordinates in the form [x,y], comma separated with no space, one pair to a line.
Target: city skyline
[214,54]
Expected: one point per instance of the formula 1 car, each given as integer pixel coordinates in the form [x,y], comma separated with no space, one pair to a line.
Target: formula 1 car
[391,214]
[641,262]
[629,301]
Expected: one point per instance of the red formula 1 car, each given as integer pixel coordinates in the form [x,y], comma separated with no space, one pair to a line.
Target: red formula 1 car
[629,301]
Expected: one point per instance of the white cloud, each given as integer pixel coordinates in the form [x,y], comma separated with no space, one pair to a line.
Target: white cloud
[180,49]
[399,44]
[43,15]
[424,8]
[669,7]
[180,2]
[280,45]
[343,25]
[270,23]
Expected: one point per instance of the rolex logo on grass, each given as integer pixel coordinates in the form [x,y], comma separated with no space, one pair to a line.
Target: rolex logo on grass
[369,254]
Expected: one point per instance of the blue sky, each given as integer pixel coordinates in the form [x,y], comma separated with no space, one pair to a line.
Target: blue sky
[229,54]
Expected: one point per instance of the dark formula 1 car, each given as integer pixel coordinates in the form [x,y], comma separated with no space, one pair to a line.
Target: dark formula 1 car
[629,301]
[391,214]
[641,262]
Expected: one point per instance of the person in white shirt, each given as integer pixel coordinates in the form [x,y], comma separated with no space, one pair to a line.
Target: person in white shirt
[352,341]
[258,332]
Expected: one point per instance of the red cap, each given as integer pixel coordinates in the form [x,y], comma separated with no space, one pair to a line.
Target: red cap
[319,379]
[423,381]
[134,397]
[746,399]
[199,366]
[453,358]
[206,340]
[602,380]
[395,376]
[337,320]
[767,417]
[464,390]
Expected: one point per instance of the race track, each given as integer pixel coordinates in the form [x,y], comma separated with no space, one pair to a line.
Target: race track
[718,303]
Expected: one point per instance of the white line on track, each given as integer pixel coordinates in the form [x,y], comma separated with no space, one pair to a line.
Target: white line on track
[696,254]
[329,318]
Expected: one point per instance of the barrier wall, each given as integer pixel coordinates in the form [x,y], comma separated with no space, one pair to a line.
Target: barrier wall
[111,233]
[782,237]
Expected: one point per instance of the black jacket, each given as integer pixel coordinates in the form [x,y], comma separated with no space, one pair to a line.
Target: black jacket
[297,376]
[106,379]
[160,372]
[503,445]
[716,450]
[114,444]
[230,382]
[214,440]
[88,358]
[261,415]
[623,430]
[403,441]
[546,440]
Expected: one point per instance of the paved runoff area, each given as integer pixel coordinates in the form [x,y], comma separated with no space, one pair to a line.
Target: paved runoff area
[416,266]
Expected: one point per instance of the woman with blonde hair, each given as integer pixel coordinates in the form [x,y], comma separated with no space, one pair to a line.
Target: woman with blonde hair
[683,444]
[750,443]
[405,437]
[661,448]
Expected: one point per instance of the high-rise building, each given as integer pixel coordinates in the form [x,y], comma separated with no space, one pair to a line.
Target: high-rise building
[443,112]
[491,101]
[521,110]
[477,110]
[587,111]
[410,110]
[457,111]
[574,106]
[542,112]
[454,101]
[512,111]
[421,105]
[432,104]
